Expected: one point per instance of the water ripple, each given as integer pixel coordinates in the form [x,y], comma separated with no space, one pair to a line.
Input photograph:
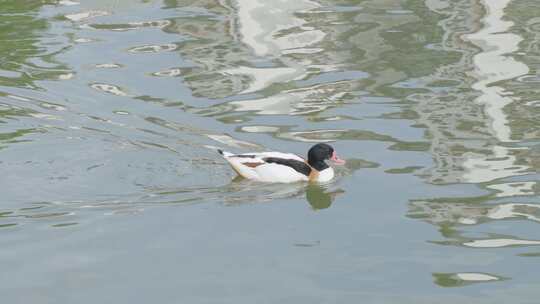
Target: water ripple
[77,17]
[496,243]
[109,88]
[132,25]
[464,278]
[152,48]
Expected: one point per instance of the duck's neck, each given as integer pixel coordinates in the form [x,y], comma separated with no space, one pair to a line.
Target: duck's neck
[318,165]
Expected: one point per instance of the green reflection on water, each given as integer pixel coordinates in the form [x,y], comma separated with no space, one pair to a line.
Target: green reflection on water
[26,54]
[319,198]
[460,280]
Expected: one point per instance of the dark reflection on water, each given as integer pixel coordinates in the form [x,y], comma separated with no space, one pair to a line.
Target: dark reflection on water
[463,279]
[318,198]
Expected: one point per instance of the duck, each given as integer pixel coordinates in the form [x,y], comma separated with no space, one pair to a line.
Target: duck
[279,167]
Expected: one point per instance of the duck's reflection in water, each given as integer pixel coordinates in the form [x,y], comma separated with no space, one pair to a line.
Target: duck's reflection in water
[319,197]
[240,190]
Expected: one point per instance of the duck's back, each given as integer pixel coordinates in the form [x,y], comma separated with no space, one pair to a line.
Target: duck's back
[276,167]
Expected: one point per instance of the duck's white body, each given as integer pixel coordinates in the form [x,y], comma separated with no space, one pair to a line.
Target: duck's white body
[276,167]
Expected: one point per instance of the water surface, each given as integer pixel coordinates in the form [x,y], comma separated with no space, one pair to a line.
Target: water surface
[112,192]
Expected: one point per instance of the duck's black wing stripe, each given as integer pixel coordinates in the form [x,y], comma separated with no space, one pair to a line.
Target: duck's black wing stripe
[293,163]
[237,155]
[244,156]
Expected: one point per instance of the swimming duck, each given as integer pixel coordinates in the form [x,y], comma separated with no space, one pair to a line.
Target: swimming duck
[278,167]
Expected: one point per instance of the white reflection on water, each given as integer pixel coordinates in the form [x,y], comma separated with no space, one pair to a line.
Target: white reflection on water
[295,102]
[264,35]
[476,277]
[108,65]
[496,243]
[68,2]
[281,35]
[262,21]
[506,211]
[262,77]
[77,17]
[493,65]
[499,165]
[173,72]
[109,88]
[514,189]
[445,213]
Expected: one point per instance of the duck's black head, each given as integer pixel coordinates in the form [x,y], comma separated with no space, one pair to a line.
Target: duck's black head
[319,153]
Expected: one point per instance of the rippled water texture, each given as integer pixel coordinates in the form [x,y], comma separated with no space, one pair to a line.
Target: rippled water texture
[112,192]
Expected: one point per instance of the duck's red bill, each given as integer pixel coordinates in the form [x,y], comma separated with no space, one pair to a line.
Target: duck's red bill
[337,160]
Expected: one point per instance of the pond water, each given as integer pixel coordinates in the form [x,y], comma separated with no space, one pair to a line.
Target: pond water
[112,191]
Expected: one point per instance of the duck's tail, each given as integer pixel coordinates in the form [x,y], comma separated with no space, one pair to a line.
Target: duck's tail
[225,153]
[235,164]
